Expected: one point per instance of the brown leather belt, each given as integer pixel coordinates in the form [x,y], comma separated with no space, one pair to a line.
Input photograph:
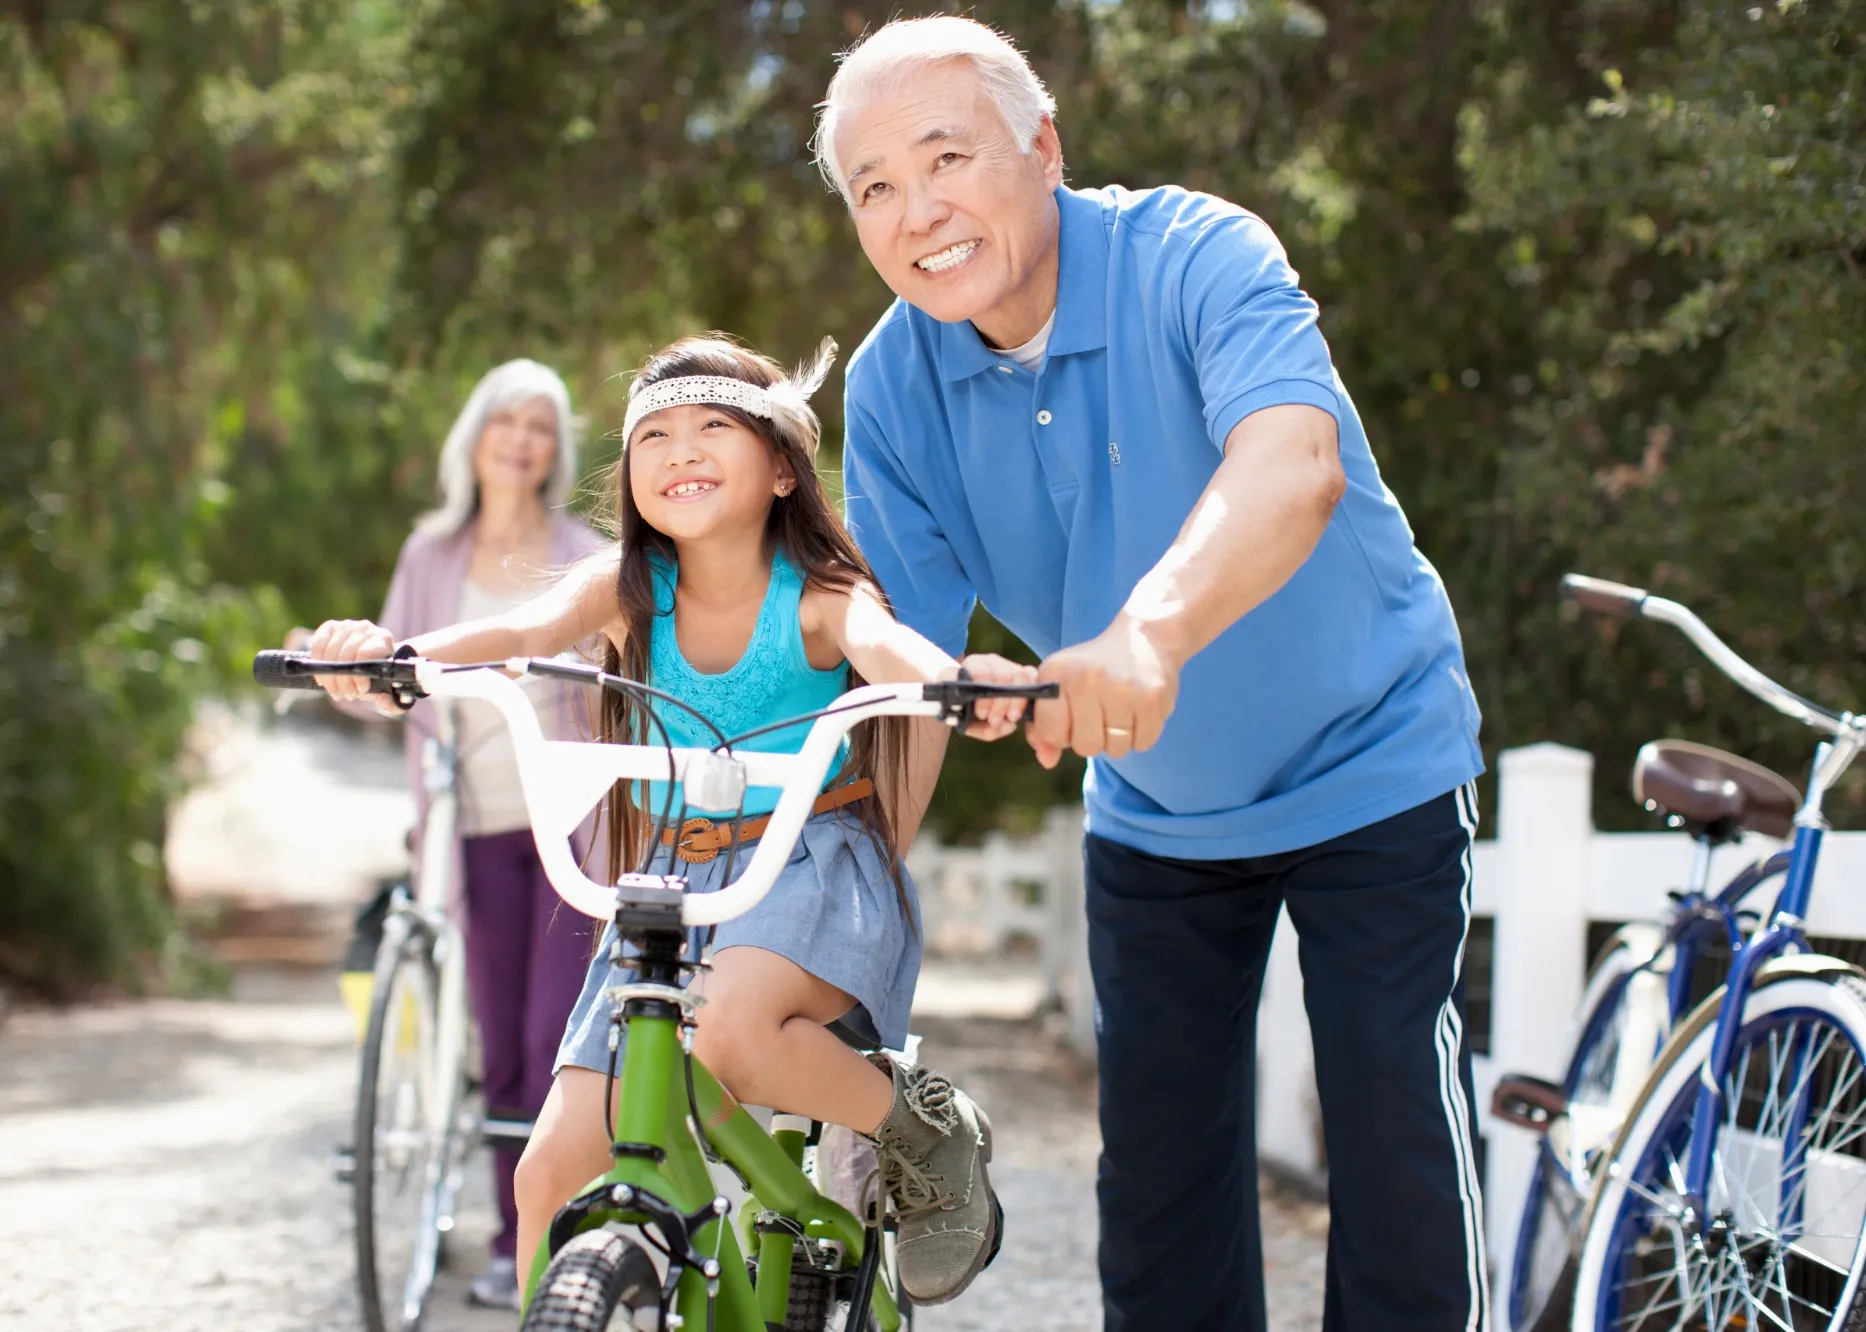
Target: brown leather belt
[699,840]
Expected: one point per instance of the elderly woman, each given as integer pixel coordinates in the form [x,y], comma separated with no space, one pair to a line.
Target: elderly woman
[505,473]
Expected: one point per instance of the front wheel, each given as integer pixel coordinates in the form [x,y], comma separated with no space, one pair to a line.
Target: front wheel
[407,1101]
[601,1280]
[1777,1241]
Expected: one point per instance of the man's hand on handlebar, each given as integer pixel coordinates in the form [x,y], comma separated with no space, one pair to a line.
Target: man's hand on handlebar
[1118,689]
[996,717]
[352,640]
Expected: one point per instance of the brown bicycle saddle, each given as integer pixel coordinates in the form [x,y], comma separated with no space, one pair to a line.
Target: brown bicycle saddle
[1705,785]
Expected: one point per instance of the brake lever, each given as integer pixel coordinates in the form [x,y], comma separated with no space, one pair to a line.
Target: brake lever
[405,693]
[956,697]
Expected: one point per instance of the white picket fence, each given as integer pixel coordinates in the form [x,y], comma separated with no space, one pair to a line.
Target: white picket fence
[1541,874]
[1015,897]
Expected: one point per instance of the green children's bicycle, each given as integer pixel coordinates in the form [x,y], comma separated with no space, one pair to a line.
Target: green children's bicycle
[652,1244]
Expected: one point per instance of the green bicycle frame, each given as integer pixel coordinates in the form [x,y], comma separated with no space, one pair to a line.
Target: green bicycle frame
[652,1111]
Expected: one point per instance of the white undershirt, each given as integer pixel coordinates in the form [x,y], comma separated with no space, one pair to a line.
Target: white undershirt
[491,798]
[1031,354]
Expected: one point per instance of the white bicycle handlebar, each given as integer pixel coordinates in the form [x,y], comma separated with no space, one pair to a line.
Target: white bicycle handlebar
[1635,603]
[564,779]
[1848,729]
[1783,699]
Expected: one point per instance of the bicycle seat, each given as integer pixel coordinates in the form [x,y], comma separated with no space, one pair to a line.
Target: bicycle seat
[1707,786]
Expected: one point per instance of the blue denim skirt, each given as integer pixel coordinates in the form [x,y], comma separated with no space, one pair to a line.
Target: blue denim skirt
[834,911]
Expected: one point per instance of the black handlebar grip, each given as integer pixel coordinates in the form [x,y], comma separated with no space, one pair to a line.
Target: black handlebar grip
[1046,689]
[959,699]
[295,670]
[280,670]
[1603,597]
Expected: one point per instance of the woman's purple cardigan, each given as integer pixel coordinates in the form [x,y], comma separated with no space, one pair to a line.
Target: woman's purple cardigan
[424,595]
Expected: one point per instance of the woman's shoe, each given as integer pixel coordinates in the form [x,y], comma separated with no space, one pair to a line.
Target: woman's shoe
[930,1153]
[497,1286]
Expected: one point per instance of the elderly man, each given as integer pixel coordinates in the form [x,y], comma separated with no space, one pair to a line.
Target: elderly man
[1110,416]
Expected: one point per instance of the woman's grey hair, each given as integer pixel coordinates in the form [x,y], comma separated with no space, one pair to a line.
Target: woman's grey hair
[879,60]
[512,383]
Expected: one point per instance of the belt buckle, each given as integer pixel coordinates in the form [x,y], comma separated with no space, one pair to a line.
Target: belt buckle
[695,855]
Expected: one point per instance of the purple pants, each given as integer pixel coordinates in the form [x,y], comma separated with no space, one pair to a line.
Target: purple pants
[526,955]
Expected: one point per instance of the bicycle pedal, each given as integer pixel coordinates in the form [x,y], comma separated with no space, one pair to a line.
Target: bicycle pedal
[343,1164]
[503,1132]
[1528,1102]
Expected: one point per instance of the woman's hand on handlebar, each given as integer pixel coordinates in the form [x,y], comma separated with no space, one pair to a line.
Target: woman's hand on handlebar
[352,640]
[997,717]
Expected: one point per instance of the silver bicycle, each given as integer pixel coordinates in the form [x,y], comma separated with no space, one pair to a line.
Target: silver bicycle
[417,1117]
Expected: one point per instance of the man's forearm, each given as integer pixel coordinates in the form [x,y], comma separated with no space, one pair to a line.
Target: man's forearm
[1257,521]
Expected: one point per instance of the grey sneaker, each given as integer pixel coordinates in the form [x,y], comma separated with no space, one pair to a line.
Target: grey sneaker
[930,1153]
[497,1286]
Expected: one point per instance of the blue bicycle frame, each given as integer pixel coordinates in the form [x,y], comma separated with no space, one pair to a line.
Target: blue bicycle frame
[1783,933]
[1697,919]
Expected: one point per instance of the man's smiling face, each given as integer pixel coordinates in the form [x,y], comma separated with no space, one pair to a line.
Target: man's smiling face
[957,221]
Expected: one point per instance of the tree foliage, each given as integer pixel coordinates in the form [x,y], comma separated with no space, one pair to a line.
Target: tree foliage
[181,190]
[1688,237]
[1592,270]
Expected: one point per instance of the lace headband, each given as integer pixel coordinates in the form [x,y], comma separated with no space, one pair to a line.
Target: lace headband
[785,404]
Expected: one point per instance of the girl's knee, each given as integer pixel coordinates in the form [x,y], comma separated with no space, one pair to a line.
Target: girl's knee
[544,1180]
[729,1041]
[566,1150]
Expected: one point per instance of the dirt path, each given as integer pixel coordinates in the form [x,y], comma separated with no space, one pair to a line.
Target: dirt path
[208,1128]
[1045,1141]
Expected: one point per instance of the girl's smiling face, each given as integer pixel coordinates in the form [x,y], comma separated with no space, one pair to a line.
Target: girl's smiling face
[698,472]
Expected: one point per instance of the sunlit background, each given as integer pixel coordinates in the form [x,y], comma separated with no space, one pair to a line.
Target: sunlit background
[1594,271]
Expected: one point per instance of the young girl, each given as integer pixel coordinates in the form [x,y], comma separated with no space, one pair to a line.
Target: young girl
[735,588]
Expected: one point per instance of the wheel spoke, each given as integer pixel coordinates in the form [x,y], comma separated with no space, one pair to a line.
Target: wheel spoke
[1822,1153]
[1671,1207]
[1683,1301]
[1778,1276]
[1759,1309]
[1790,1124]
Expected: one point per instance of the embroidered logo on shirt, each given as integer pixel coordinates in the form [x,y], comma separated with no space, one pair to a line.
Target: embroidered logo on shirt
[1114,453]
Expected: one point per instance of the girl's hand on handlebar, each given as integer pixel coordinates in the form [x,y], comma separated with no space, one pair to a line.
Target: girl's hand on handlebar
[352,640]
[997,717]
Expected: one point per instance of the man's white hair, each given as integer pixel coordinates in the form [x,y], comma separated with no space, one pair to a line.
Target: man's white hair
[512,383]
[880,60]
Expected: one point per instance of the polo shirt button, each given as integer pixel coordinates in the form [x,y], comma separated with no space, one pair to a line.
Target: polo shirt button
[1043,418]
[1004,369]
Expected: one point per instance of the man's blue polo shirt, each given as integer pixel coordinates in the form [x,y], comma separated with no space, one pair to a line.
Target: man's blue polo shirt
[1338,702]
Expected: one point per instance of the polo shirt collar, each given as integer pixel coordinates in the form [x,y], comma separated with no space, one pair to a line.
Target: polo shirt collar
[1081,294]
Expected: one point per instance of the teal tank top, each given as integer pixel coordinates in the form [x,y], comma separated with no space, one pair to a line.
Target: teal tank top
[772,681]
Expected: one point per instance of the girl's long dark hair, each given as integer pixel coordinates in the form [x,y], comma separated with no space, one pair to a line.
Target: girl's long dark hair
[805,526]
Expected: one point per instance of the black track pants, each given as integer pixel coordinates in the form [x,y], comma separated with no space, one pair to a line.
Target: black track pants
[1178,949]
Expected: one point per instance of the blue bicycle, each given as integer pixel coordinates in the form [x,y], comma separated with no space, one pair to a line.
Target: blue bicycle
[1733,1193]
[1638,990]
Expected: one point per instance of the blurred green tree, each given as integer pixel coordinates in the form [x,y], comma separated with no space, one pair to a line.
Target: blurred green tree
[1591,268]
[179,239]
[1685,236]
[1642,353]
